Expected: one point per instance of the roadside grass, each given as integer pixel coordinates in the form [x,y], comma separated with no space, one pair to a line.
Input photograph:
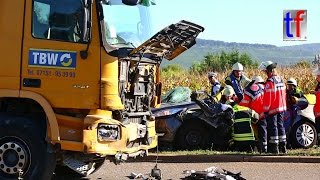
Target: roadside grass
[313,151]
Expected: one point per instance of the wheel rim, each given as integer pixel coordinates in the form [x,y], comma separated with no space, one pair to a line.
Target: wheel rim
[14,155]
[194,138]
[305,135]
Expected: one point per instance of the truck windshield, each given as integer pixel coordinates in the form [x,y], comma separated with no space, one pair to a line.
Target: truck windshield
[125,26]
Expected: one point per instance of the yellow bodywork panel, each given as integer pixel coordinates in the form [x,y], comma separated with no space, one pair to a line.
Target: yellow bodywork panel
[11,23]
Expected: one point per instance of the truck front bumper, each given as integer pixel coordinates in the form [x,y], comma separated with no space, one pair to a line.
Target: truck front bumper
[128,142]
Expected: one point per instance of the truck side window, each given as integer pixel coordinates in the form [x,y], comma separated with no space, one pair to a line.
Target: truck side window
[58,20]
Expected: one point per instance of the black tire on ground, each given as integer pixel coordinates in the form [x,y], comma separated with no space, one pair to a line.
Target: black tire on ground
[64,172]
[192,135]
[303,135]
[22,146]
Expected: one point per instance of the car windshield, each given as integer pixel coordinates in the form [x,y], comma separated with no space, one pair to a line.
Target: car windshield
[125,26]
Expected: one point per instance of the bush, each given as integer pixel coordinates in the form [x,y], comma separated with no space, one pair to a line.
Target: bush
[223,61]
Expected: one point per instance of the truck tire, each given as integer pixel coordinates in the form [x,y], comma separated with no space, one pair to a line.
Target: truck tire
[22,146]
[191,136]
[303,135]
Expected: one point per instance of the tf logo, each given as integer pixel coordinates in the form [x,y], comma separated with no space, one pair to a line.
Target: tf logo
[295,25]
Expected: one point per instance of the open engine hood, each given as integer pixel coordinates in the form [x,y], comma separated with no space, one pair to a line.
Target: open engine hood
[170,41]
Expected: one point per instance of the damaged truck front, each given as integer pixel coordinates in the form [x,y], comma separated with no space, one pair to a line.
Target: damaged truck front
[77,81]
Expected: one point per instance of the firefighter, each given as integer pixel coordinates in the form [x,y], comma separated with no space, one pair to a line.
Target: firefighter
[274,106]
[253,99]
[215,84]
[243,134]
[295,98]
[316,108]
[237,80]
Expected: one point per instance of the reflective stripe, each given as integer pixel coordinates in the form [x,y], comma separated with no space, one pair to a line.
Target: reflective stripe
[249,94]
[280,109]
[243,135]
[276,141]
[276,89]
[274,137]
[245,101]
[242,120]
[257,96]
[244,139]
[264,143]
[283,138]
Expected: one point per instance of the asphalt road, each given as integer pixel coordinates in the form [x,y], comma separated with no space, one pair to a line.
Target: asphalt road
[249,170]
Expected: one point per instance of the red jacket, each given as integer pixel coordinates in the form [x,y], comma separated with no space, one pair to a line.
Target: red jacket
[274,100]
[316,108]
[253,99]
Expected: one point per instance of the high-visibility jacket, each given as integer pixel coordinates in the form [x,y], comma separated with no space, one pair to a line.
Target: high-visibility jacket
[274,98]
[253,99]
[295,97]
[242,129]
[237,83]
[316,108]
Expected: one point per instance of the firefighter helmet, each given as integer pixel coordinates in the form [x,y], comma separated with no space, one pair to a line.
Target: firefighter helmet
[228,91]
[212,74]
[258,79]
[267,65]
[292,81]
[237,66]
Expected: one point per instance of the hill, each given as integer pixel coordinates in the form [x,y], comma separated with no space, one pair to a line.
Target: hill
[260,52]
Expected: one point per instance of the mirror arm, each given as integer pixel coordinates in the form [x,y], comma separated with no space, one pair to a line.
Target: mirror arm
[84,53]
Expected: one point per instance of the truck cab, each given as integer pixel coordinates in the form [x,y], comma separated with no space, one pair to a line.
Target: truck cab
[77,81]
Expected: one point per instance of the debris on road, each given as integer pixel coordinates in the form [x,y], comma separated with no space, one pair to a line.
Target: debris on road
[212,173]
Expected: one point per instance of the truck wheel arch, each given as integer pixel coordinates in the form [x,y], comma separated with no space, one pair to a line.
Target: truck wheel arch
[52,124]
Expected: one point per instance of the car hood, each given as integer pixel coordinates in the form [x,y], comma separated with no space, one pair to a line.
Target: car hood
[170,41]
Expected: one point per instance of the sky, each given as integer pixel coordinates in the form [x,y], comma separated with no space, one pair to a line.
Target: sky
[242,21]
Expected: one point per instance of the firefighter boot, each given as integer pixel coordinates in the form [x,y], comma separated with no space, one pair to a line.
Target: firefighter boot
[263,149]
[273,148]
[283,147]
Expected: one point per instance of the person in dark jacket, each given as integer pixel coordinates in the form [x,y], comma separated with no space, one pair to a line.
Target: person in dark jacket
[237,80]
[215,84]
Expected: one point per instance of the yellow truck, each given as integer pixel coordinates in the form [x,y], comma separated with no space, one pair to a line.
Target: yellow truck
[77,81]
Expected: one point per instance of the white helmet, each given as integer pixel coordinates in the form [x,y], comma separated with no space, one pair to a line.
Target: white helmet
[257,79]
[212,74]
[316,71]
[292,81]
[237,66]
[264,65]
[228,91]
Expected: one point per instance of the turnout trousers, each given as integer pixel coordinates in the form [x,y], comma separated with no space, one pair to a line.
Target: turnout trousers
[275,129]
[262,135]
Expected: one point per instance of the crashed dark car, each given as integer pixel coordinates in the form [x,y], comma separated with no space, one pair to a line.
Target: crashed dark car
[183,126]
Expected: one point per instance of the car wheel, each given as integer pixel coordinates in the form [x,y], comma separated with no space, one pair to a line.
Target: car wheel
[303,135]
[192,136]
[24,152]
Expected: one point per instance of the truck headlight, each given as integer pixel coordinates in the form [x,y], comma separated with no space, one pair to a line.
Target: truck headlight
[107,132]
